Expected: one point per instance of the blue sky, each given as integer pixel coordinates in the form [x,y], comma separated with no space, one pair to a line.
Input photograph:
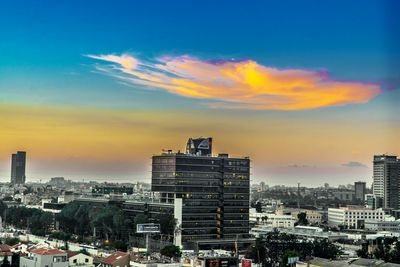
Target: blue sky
[44,45]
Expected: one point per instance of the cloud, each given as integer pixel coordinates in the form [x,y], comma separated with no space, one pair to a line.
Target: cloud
[238,84]
[298,166]
[354,164]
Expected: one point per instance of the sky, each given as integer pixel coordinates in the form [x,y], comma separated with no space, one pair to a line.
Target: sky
[92,89]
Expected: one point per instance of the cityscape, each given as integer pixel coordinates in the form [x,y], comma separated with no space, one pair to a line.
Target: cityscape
[208,134]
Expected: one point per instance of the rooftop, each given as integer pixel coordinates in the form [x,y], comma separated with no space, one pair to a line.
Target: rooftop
[113,257]
[45,251]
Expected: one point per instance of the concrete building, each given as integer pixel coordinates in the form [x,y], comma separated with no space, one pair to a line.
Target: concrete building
[5,251]
[271,220]
[18,166]
[210,193]
[386,180]
[344,195]
[312,216]
[43,257]
[360,190]
[376,225]
[353,217]
[75,258]
[373,202]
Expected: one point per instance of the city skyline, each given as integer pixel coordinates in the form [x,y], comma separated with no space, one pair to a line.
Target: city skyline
[93,90]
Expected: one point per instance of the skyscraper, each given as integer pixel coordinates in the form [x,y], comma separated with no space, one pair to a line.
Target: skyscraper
[210,193]
[386,177]
[18,163]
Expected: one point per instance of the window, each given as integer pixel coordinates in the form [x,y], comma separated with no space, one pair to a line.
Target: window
[75,261]
[86,260]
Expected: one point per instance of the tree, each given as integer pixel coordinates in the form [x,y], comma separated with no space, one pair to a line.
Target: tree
[289,254]
[302,218]
[383,248]
[140,219]
[363,251]
[395,254]
[11,241]
[171,251]
[257,252]
[323,248]
[5,263]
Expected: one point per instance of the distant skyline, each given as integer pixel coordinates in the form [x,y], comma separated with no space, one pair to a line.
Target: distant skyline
[91,90]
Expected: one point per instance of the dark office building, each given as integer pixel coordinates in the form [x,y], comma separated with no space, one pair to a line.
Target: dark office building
[360,190]
[210,193]
[18,162]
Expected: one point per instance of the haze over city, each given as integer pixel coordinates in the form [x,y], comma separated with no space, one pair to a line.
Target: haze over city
[91,90]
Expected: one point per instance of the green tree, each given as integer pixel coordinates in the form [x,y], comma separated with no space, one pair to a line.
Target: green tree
[6,262]
[395,253]
[171,251]
[302,218]
[323,248]
[257,252]
[11,241]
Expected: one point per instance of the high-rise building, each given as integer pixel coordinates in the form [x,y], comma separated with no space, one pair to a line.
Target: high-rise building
[18,163]
[386,177]
[360,190]
[210,193]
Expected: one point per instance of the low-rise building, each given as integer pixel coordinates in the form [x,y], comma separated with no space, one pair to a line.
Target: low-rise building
[312,216]
[43,257]
[272,220]
[5,251]
[76,258]
[353,217]
[117,259]
[376,225]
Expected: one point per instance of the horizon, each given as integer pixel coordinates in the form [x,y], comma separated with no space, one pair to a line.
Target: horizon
[92,90]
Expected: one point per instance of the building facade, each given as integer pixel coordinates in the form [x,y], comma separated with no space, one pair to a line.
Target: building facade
[353,217]
[18,166]
[360,190]
[43,257]
[210,193]
[386,180]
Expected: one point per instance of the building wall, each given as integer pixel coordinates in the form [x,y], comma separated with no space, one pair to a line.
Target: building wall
[273,220]
[81,260]
[18,163]
[386,180]
[35,260]
[214,191]
[350,217]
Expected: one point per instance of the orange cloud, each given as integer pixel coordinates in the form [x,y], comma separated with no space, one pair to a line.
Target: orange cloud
[241,84]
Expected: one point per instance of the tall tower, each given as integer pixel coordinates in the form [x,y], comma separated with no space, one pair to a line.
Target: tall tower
[386,178]
[18,164]
[211,192]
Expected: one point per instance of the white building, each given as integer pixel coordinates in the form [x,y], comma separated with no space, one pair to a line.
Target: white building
[312,216]
[76,258]
[387,225]
[352,217]
[386,175]
[43,257]
[272,220]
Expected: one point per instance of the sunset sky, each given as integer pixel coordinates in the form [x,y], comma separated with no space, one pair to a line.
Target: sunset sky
[92,89]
